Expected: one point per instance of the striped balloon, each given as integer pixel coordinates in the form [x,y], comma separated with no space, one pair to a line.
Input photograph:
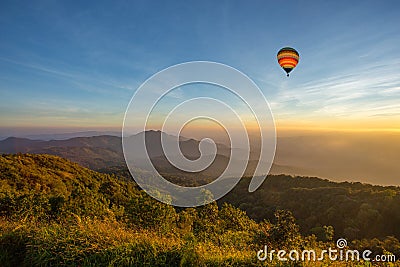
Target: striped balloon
[288,59]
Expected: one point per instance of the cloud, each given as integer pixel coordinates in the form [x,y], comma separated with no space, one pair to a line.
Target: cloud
[85,81]
[372,89]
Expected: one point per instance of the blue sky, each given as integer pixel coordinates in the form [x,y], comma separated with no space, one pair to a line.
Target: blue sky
[77,64]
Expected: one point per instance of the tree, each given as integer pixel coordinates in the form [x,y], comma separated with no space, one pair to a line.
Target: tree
[285,232]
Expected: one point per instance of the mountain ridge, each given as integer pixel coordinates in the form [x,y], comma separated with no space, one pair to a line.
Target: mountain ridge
[102,151]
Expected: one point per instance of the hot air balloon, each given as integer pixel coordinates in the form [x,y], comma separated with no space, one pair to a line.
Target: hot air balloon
[288,59]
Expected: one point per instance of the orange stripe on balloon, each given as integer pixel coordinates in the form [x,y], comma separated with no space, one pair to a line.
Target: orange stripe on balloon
[287,61]
[288,66]
[285,54]
[288,57]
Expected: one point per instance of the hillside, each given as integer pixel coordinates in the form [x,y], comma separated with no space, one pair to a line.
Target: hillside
[55,212]
[313,201]
[355,210]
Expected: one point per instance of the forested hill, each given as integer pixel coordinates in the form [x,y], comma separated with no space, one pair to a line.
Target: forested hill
[55,185]
[56,213]
[355,210]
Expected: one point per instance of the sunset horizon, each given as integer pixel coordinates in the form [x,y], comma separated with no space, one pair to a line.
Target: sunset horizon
[199,133]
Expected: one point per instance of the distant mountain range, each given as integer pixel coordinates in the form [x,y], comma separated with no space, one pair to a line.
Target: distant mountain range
[371,158]
[101,152]
[64,136]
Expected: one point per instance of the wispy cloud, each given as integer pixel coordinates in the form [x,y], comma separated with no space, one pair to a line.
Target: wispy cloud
[373,88]
[85,81]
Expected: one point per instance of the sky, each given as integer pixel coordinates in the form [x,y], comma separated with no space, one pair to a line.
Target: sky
[76,64]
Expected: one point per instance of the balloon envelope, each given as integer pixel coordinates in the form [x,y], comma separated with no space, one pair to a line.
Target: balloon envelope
[288,58]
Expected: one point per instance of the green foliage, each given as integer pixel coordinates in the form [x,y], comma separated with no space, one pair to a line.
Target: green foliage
[207,224]
[285,232]
[55,213]
[185,221]
[13,244]
[324,233]
[144,211]
[235,219]
[354,210]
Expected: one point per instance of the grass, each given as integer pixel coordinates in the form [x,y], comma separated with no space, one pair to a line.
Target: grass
[93,242]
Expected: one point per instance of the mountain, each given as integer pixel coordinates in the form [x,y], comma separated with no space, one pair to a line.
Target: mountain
[18,145]
[93,152]
[189,147]
[100,152]
[64,136]
[24,145]
[367,157]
